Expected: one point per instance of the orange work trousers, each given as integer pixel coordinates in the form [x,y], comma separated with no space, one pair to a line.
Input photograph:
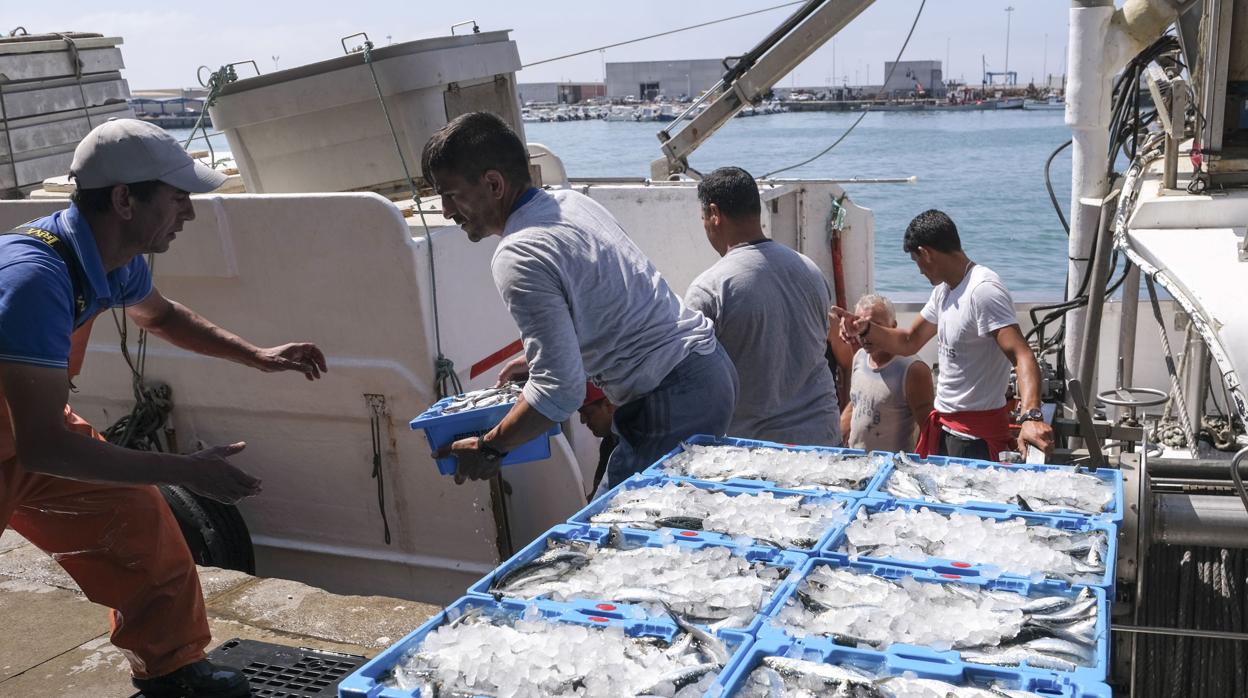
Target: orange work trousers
[125,550]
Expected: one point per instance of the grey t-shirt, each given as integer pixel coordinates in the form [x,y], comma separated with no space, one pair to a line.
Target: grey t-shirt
[770,308]
[589,303]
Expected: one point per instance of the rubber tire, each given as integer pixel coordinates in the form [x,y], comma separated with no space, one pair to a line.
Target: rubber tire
[215,532]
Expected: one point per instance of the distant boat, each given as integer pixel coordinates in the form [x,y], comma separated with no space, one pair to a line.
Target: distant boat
[648,112]
[1053,103]
[1010,103]
[621,113]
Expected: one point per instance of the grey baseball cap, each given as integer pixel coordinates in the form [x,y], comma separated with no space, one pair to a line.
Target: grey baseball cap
[125,151]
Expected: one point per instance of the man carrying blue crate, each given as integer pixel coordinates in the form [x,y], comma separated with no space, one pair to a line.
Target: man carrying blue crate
[89,503]
[972,315]
[770,307]
[588,303]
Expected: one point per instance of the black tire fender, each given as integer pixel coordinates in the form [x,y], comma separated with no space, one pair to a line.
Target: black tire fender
[215,533]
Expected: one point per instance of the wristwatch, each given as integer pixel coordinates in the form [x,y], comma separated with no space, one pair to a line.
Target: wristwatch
[489,453]
[1032,415]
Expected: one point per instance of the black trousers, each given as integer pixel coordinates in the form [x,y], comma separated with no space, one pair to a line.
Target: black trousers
[956,446]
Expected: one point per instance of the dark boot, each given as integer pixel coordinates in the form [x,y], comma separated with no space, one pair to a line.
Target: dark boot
[201,679]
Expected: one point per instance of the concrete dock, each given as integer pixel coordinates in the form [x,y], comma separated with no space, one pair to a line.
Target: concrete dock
[55,642]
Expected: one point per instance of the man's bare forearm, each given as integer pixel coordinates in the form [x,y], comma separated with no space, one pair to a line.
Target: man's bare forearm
[186,329]
[77,456]
[1028,373]
[893,340]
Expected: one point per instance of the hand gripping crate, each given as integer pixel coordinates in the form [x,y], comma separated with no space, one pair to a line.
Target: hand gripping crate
[443,430]
[370,680]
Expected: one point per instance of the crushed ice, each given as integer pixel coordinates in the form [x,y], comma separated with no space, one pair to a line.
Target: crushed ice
[711,586]
[1057,632]
[802,469]
[531,657]
[1044,491]
[781,677]
[765,518]
[1010,546]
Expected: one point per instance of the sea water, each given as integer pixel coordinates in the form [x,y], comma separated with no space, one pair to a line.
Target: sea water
[984,168]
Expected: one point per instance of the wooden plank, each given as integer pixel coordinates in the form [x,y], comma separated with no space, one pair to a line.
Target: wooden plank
[63,95]
[58,45]
[42,66]
[35,170]
[40,134]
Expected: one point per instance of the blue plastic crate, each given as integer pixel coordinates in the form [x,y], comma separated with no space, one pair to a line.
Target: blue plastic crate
[1074,524]
[899,660]
[942,574]
[642,480]
[1112,476]
[658,469]
[368,680]
[696,540]
[442,430]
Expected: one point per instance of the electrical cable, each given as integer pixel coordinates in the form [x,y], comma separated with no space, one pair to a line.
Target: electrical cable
[1048,185]
[666,33]
[857,121]
[1126,127]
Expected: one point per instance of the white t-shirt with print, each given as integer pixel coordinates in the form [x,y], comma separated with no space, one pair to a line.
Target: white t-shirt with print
[974,372]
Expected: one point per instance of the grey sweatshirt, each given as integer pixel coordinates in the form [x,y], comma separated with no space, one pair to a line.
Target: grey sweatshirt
[589,304]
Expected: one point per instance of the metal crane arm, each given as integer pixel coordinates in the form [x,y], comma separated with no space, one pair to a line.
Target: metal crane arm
[751,77]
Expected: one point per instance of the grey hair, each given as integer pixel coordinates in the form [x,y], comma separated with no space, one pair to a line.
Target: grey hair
[869,301]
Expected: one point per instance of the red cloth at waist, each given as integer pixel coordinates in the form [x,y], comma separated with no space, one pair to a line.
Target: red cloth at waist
[993,426]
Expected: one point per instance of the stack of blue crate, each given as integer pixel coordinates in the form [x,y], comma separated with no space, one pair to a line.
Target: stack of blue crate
[759,638]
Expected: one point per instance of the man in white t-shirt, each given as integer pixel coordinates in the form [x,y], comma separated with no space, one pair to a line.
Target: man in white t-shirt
[972,315]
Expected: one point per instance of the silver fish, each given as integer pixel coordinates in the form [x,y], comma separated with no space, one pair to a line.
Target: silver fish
[682,677]
[1064,649]
[830,674]
[1015,656]
[707,642]
[552,564]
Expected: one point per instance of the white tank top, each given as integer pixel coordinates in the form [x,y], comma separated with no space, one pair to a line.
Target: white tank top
[881,417]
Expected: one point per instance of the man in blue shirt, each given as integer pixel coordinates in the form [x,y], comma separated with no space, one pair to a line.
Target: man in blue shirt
[88,503]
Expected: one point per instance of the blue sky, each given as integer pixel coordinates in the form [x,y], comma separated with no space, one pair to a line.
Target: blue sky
[166,42]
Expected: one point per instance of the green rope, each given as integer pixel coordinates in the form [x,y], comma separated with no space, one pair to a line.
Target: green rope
[445,378]
[216,82]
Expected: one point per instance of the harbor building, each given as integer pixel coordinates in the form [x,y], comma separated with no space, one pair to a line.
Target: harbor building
[909,76]
[560,92]
[646,80]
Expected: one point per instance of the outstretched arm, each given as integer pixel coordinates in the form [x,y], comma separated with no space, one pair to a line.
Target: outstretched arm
[861,332]
[36,398]
[183,327]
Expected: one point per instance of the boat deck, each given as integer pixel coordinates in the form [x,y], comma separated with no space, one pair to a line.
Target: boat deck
[56,642]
